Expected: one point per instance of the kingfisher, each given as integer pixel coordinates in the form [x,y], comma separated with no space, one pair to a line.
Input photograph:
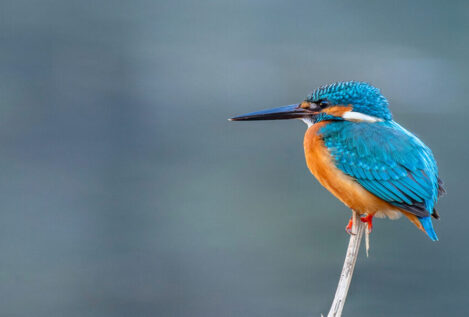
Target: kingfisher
[358,152]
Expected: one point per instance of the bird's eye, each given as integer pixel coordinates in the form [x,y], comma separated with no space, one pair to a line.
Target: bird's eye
[323,103]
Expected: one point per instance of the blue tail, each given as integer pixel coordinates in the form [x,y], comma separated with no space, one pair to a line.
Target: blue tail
[428,226]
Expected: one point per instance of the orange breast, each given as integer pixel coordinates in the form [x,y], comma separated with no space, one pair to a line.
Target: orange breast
[345,188]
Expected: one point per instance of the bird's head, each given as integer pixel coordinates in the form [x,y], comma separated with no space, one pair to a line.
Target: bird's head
[351,100]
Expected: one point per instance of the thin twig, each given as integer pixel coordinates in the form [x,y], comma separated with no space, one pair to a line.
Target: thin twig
[367,240]
[349,265]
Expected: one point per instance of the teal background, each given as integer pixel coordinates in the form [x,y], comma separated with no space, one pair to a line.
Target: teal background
[126,192]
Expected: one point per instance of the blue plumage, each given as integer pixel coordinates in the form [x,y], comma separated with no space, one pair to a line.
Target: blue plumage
[428,226]
[364,97]
[389,162]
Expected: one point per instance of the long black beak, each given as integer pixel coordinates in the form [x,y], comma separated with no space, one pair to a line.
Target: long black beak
[280,113]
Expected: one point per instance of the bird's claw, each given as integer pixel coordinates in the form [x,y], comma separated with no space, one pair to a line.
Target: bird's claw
[369,221]
[350,232]
[349,226]
[366,219]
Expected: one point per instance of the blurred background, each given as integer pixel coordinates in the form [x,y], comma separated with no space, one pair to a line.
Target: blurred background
[126,192]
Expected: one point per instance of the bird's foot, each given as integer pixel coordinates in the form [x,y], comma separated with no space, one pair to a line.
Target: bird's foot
[369,221]
[349,226]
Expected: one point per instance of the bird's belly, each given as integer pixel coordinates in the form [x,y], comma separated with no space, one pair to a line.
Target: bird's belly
[345,188]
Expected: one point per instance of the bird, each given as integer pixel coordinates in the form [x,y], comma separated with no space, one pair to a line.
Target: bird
[362,156]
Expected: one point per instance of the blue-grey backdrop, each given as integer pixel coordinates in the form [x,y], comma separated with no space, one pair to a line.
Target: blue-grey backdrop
[126,192]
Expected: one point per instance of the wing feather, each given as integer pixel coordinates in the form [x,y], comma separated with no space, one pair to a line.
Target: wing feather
[388,161]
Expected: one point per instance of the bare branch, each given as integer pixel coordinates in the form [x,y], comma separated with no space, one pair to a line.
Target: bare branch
[349,265]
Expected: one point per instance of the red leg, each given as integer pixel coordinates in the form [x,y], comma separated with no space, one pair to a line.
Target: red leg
[348,229]
[369,221]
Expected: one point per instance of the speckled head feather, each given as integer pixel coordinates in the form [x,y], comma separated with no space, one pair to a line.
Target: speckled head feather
[363,97]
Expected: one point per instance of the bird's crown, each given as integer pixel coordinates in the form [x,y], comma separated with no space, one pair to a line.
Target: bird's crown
[363,97]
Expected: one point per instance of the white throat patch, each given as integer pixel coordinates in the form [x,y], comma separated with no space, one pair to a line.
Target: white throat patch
[360,117]
[349,115]
[308,121]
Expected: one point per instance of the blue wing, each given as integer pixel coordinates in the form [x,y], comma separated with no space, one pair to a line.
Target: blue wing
[388,161]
